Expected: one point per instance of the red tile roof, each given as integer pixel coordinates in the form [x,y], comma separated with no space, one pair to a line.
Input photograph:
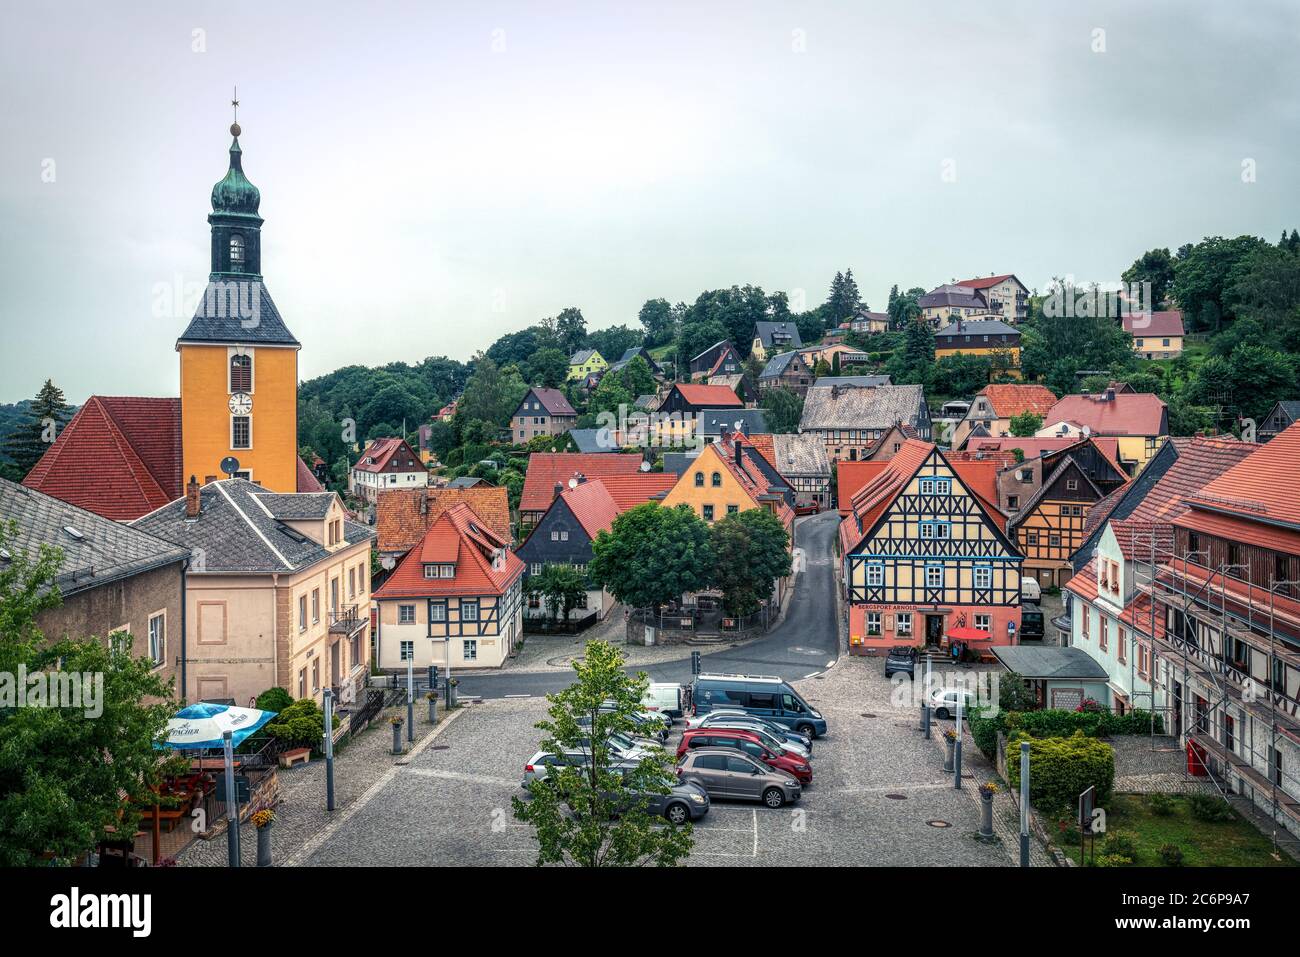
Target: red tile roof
[748,476]
[1136,614]
[1264,487]
[637,488]
[1128,413]
[987,282]
[484,563]
[1012,400]
[546,469]
[307,481]
[401,522]
[1154,325]
[1199,463]
[592,505]
[708,396]
[766,447]
[379,455]
[119,457]
[850,477]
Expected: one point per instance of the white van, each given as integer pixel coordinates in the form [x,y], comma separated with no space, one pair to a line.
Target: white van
[1029,589]
[664,698]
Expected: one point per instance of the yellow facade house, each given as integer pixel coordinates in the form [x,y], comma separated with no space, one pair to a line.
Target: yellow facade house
[586,362]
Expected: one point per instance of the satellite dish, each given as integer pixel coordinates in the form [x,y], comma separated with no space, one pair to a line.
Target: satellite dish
[645,466]
[230,465]
[573,483]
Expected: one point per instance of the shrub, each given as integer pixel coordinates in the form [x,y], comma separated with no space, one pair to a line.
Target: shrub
[1209,808]
[984,730]
[1058,723]
[1061,768]
[1172,855]
[1112,860]
[301,725]
[274,699]
[1120,844]
[1161,805]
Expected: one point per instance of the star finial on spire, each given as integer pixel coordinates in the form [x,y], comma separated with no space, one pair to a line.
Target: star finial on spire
[234,102]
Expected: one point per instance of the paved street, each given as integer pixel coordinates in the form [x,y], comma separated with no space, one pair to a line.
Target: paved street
[806,641]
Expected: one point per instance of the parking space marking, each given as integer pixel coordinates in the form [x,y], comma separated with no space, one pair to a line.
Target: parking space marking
[462,776]
[504,696]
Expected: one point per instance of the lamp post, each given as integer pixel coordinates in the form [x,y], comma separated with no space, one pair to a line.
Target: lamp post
[410,697]
[956,751]
[1024,803]
[329,749]
[232,807]
[925,697]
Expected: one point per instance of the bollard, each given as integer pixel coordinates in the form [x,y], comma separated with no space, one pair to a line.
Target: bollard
[948,752]
[397,736]
[433,707]
[264,846]
[986,811]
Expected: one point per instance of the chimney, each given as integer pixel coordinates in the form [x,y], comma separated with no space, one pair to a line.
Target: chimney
[739,447]
[424,504]
[724,431]
[559,489]
[580,477]
[192,501]
[1110,395]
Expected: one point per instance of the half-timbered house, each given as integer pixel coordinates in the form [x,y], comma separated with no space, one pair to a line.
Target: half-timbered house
[456,598]
[926,560]
[1049,527]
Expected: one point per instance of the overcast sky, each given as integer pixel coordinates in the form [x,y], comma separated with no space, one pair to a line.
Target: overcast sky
[436,174]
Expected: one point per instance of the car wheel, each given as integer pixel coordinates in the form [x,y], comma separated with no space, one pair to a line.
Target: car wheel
[677,814]
[773,797]
[807,729]
[942,713]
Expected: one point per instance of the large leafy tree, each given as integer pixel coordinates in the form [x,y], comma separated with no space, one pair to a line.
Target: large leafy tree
[492,393]
[66,777]
[1203,274]
[560,588]
[1266,291]
[783,409]
[45,418]
[548,367]
[570,327]
[653,555]
[607,824]
[913,364]
[1155,266]
[751,551]
[612,341]
[659,320]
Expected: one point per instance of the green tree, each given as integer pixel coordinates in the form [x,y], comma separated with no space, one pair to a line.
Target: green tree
[492,393]
[1155,266]
[607,824]
[548,368]
[560,587]
[1204,273]
[570,327]
[66,777]
[751,551]
[637,377]
[653,555]
[914,363]
[612,341]
[783,409]
[46,417]
[1026,424]
[659,320]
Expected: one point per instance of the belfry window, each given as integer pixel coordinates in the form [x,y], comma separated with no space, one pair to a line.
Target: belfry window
[236,249]
[241,373]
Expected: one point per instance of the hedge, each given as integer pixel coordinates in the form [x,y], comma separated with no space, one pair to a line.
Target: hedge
[1056,723]
[1060,769]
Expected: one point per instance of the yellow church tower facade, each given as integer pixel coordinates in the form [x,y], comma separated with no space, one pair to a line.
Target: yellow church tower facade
[238,359]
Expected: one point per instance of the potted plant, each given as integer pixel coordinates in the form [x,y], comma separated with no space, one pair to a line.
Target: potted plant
[987,790]
[432,698]
[263,820]
[950,745]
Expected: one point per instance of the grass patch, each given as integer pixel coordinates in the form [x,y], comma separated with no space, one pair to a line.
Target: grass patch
[1231,843]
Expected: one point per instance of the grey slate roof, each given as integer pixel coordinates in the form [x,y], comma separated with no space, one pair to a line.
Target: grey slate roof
[959,296]
[679,462]
[649,402]
[977,327]
[751,421]
[466,481]
[836,407]
[764,331]
[240,528]
[801,455]
[777,365]
[862,381]
[1050,662]
[593,440]
[107,551]
[229,312]
[581,356]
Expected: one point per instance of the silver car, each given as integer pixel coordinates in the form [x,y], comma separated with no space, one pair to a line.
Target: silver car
[728,774]
[770,740]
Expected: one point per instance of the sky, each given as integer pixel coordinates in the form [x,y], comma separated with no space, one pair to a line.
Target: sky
[434,175]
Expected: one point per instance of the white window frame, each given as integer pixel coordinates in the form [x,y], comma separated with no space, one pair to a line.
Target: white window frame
[469,649]
[937,568]
[875,574]
[402,617]
[903,622]
[158,656]
[984,623]
[984,571]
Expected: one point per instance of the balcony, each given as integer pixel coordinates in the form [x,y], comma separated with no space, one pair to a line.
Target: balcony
[347,620]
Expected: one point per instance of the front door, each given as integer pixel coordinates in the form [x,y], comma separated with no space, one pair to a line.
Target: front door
[933,629]
[334,665]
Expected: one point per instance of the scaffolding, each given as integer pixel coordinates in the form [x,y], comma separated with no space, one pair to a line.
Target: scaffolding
[1247,614]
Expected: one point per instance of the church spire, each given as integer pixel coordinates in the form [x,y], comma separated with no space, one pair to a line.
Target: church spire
[236,225]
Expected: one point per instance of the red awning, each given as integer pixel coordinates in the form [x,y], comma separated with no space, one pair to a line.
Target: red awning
[969,634]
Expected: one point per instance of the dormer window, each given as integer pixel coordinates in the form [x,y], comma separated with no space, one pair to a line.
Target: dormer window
[236,250]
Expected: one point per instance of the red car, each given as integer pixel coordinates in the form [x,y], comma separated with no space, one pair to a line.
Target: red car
[750,744]
[806,506]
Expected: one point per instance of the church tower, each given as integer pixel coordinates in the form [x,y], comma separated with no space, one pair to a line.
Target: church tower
[239,361]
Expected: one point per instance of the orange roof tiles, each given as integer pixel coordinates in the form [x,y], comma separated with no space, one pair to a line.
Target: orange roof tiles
[708,396]
[1264,487]
[1012,400]
[378,455]
[546,469]
[592,505]
[850,477]
[484,563]
[401,522]
[1127,413]
[637,488]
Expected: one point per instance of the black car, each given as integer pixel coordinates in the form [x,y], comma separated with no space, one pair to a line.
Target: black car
[1031,623]
[901,660]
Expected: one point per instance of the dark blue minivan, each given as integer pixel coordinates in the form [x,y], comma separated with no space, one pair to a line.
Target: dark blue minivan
[760,695]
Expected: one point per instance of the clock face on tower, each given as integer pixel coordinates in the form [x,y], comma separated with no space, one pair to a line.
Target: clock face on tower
[241,403]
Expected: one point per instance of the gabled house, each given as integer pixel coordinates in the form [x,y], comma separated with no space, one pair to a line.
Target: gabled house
[721,358]
[789,370]
[113,578]
[403,517]
[719,422]
[1048,527]
[889,444]
[586,363]
[455,600]
[1138,420]
[730,476]
[771,338]
[926,561]
[850,419]
[944,304]
[867,323]
[1281,417]
[542,412]
[1004,294]
[803,464]
[386,465]
[632,353]
[1020,481]
[277,592]
[690,399]
[546,470]
[1156,335]
[992,338]
[994,406]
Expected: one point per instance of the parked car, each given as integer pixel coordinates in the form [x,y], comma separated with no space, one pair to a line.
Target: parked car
[943,702]
[536,767]
[649,724]
[685,800]
[806,506]
[1030,590]
[726,773]
[623,745]
[770,739]
[1031,623]
[761,695]
[749,743]
[901,660]
[728,716]
[665,698]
